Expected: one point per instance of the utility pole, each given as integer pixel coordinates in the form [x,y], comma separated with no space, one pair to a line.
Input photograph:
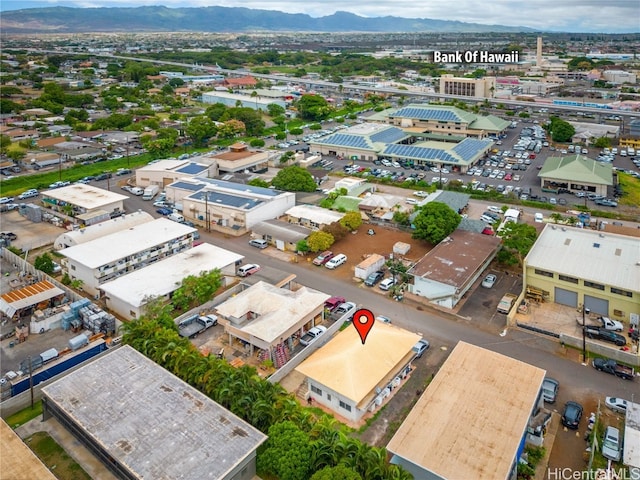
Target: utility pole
[585,311]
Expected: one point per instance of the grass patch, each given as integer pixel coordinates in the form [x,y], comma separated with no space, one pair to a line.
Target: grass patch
[630,188]
[55,458]
[23,416]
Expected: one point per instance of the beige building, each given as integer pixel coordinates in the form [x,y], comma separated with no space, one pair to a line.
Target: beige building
[312,216]
[467,87]
[271,319]
[587,267]
[165,172]
[472,420]
[86,203]
[352,378]
[18,460]
[239,158]
[441,121]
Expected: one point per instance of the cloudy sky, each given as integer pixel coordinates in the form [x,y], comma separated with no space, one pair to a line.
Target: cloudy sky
[551,15]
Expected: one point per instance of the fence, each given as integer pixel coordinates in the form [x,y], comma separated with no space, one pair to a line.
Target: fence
[38,275]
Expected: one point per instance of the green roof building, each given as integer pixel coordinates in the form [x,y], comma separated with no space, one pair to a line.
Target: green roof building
[576,173]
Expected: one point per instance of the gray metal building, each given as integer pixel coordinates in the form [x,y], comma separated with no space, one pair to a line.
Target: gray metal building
[143,422]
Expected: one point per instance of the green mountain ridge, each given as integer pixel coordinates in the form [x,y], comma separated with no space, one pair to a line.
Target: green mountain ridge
[219,19]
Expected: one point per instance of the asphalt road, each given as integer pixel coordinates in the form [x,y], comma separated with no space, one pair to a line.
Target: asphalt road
[574,378]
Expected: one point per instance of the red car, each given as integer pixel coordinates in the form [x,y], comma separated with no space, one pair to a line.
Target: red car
[323,258]
[334,302]
[508,176]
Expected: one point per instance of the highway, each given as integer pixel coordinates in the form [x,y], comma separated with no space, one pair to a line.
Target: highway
[346,87]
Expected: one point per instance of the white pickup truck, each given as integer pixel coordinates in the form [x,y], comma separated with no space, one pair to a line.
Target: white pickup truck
[192,326]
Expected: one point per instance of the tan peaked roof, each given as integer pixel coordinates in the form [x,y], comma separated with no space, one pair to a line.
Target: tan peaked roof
[354,370]
[470,421]
[18,461]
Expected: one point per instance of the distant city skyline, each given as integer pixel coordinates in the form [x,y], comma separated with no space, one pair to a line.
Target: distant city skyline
[616,16]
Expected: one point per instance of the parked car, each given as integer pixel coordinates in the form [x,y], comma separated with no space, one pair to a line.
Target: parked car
[550,389]
[336,261]
[9,236]
[494,209]
[32,192]
[374,278]
[258,243]
[333,302]
[346,308]
[386,284]
[605,335]
[323,258]
[616,404]
[571,415]
[248,269]
[611,445]
[420,347]
[4,200]
[312,335]
[383,319]
[164,211]
[489,281]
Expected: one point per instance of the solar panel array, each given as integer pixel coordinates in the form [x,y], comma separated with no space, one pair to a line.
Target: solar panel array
[345,140]
[389,135]
[469,148]
[227,200]
[422,153]
[187,186]
[428,114]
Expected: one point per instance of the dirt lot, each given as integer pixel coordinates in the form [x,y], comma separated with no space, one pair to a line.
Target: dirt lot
[356,246]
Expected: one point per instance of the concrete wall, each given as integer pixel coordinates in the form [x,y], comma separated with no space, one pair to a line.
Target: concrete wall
[614,353]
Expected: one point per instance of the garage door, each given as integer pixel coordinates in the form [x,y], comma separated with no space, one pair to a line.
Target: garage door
[566,297]
[597,305]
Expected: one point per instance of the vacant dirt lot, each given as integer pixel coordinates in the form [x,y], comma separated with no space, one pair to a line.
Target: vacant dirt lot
[357,246]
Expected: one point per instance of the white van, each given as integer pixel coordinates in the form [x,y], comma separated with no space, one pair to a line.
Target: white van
[258,243]
[538,218]
[336,261]
[176,217]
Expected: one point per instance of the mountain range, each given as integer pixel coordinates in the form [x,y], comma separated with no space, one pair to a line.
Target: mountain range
[218,19]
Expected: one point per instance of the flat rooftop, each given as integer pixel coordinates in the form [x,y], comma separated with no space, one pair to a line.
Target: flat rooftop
[278,309]
[84,196]
[354,370]
[115,246]
[151,421]
[612,259]
[470,421]
[316,214]
[163,277]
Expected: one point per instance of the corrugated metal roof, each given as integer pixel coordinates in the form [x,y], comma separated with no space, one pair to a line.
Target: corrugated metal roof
[14,300]
[612,258]
[577,168]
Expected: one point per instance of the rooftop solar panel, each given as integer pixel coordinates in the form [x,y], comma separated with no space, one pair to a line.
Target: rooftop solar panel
[428,114]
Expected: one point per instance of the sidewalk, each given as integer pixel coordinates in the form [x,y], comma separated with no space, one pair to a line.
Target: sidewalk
[549,439]
[68,442]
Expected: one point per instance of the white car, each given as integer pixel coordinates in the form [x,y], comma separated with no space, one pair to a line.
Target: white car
[494,209]
[28,194]
[312,335]
[421,194]
[616,404]
[489,281]
[387,283]
[383,319]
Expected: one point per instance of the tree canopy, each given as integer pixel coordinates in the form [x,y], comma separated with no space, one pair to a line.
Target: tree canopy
[44,263]
[434,222]
[294,179]
[351,220]
[319,241]
[517,240]
[200,129]
[313,107]
[561,130]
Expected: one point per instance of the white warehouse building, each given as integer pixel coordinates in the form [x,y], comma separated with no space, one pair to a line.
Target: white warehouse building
[228,207]
[127,295]
[111,256]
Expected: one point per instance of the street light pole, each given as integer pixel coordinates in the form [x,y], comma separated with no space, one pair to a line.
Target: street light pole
[585,311]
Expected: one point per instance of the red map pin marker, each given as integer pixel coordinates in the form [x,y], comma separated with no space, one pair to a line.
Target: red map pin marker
[363,320]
